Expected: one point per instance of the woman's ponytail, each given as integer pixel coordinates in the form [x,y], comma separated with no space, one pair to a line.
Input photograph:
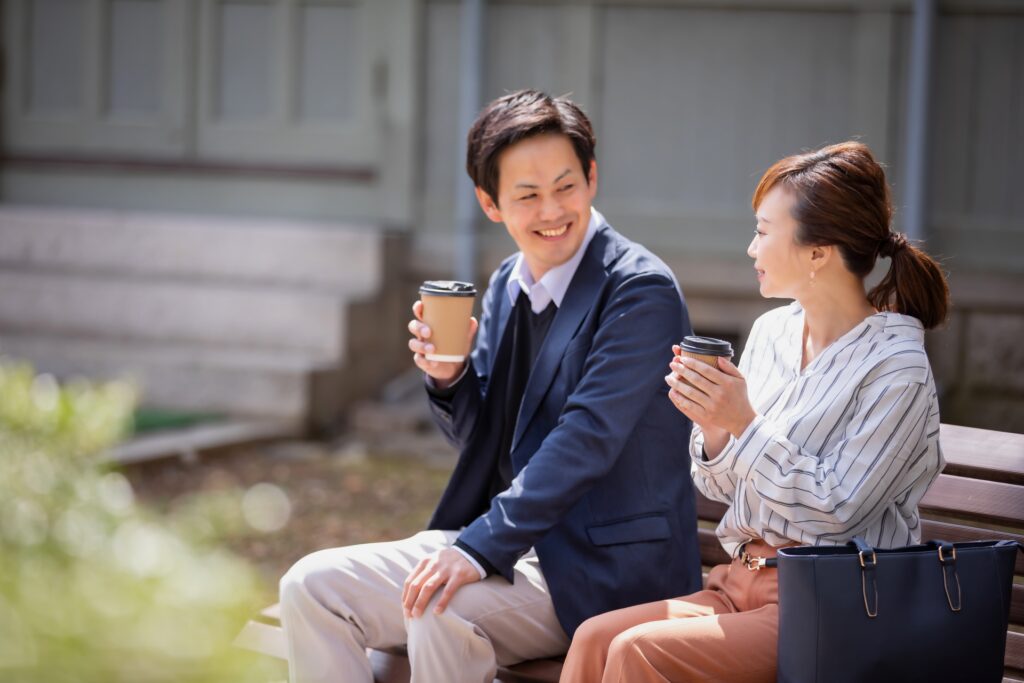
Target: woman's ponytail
[915,284]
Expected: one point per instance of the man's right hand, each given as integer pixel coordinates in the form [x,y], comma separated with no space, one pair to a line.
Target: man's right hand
[443,374]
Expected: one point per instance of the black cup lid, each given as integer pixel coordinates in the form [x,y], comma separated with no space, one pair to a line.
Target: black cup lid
[448,288]
[708,346]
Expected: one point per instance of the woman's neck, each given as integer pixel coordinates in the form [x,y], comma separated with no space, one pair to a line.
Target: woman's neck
[829,313]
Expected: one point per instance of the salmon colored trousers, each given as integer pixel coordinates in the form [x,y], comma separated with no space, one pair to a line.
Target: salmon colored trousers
[725,633]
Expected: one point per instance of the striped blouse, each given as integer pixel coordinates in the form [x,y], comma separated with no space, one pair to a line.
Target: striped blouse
[845,447]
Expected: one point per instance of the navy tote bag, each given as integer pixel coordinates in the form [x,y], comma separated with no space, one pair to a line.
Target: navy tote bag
[933,612]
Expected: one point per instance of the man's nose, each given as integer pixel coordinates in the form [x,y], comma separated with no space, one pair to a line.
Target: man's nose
[550,208]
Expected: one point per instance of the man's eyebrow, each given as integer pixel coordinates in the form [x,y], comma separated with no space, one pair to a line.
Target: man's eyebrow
[531,186]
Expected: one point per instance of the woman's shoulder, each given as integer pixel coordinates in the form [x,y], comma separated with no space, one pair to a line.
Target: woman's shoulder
[897,345]
[898,325]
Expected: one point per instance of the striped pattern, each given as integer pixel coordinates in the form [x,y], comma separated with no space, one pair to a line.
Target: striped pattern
[847,447]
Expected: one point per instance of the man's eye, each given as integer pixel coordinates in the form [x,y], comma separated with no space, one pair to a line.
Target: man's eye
[566,188]
[528,196]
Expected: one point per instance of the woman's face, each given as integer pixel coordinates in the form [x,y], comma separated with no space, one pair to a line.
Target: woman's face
[783,266]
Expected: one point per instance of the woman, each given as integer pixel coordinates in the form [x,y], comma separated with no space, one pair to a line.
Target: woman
[828,429]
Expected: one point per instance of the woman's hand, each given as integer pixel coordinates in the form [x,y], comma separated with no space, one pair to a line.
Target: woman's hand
[715,398]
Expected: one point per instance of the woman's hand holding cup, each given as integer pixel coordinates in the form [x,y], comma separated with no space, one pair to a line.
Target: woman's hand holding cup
[705,386]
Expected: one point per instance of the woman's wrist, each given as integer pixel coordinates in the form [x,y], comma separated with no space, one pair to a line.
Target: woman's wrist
[715,441]
[741,425]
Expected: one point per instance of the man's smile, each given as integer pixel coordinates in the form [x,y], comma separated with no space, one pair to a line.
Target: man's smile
[554,233]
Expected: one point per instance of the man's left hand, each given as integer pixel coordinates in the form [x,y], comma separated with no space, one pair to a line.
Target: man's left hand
[446,568]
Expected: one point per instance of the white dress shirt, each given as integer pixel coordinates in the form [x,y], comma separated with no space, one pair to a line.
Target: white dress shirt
[553,284]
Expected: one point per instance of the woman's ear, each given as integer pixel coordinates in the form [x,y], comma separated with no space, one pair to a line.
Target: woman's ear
[821,256]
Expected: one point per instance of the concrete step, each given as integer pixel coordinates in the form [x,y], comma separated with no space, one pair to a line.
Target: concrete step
[189,442]
[246,317]
[234,381]
[136,308]
[338,257]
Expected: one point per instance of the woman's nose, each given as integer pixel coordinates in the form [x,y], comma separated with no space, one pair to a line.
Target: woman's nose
[752,248]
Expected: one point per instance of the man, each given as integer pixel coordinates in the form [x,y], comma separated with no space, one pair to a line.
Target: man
[572,493]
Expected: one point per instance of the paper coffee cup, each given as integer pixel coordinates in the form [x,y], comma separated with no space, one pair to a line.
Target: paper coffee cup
[705,349]
[447,309]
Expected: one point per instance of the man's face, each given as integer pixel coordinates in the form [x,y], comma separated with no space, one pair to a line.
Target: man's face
[543,199]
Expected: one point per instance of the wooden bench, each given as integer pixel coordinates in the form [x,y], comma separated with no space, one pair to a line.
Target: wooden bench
[980,495]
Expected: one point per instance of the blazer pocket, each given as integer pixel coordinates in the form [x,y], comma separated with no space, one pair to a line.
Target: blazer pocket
[636,530]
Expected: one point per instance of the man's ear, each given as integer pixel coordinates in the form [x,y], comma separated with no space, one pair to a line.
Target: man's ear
[488,204]
[592,175]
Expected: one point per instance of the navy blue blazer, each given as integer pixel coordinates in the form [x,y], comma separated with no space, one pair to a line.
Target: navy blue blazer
[602,484]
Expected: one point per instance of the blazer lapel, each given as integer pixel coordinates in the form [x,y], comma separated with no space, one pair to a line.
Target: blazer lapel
[579,299]
[500,321]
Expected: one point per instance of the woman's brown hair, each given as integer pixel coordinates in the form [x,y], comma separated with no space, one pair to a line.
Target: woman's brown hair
[842,199]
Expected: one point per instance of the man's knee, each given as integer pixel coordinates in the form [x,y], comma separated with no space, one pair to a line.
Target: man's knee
[433,627]
[294,585]
[309,577]
[467,605]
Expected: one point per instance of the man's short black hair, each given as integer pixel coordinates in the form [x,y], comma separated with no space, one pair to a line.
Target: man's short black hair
[515,117]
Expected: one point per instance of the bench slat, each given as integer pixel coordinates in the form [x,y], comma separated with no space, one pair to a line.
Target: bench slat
[709,510]
[1014,651]
[987,501]
[983,453]
[711,550]
[1017,604]
[534,671]
[263,638]
[957,533]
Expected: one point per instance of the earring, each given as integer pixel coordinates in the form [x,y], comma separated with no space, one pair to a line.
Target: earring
[812,278]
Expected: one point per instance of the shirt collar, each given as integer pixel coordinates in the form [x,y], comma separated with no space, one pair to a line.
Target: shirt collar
[553,285]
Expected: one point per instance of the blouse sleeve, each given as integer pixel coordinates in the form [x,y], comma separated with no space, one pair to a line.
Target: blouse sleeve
[720,484]
[837,491]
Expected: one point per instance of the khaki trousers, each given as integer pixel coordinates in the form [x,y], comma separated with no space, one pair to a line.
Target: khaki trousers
[336,603]
[726,633]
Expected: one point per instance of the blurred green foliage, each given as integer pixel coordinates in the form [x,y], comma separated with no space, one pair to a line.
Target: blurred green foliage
[92,586]
[153,419]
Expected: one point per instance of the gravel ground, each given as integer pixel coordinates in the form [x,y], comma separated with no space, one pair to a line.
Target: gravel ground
[339,495]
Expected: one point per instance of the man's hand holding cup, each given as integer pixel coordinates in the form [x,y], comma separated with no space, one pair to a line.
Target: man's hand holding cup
[443,329]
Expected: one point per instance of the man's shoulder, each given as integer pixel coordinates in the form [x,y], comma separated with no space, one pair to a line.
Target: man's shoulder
[623,258]
[503,270]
